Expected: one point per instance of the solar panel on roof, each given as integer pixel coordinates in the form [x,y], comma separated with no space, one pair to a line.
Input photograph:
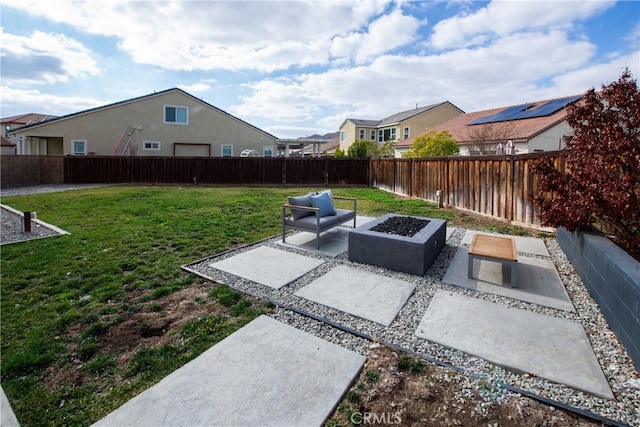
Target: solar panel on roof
[504,115]
[524,112]
[550,107]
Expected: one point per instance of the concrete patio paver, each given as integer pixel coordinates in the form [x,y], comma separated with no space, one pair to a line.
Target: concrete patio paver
[553,348]
[364,294]
[265,374]
[538,280]
[7,417]
[268,266]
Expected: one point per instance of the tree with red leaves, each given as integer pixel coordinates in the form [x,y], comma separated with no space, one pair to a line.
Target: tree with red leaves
[602,186]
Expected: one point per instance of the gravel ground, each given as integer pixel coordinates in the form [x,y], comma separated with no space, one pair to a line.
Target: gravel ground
[616,364]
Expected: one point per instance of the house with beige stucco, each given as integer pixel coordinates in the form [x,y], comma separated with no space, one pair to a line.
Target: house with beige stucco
[398,126]
[167,123]
[15,122]
[517,129]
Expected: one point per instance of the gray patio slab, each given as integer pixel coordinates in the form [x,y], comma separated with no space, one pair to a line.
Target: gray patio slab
[264,265]
[538,280]
[265,374]
[7,417]
[524,244]
[556,349]
[332,242]
[367,295]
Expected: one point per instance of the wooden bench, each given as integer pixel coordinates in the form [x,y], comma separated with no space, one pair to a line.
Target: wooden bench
[494,248]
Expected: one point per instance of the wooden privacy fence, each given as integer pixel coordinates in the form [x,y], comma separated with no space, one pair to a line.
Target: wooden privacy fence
[215,170]
[501,187]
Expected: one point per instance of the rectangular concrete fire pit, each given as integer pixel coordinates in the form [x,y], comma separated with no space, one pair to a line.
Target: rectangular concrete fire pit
[407,254]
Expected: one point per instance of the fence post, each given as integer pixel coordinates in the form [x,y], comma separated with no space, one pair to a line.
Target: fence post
[27,222]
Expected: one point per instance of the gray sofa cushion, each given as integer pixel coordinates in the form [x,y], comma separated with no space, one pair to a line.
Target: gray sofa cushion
[310,221]
[301,201]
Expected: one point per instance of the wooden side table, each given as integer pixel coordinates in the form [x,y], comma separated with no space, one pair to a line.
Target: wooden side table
[494,248]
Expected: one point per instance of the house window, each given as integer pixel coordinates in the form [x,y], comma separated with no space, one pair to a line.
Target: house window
[361,134]
[79,147]
[176,115]
[7,129]
[226,150]
[372,136]
[405,132]
[151,146]
[267,151]
[387,134]
[343,136]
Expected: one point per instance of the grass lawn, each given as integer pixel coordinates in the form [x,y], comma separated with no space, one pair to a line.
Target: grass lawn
[92,318]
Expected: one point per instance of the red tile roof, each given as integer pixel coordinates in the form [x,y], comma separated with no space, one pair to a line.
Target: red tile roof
[6,142]
[25,119]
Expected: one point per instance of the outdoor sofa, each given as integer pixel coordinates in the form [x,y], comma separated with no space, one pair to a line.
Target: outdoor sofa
[315,212]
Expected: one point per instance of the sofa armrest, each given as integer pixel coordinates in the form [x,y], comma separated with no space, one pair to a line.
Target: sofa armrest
[302,208]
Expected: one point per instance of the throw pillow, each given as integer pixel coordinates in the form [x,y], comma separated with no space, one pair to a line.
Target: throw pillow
[327,192]
[300,201]
[323,202]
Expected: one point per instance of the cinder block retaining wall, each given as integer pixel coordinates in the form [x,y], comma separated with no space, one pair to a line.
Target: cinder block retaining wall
[17,171]
[613,279]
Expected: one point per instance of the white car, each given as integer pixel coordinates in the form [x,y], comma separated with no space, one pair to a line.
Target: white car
[249,153]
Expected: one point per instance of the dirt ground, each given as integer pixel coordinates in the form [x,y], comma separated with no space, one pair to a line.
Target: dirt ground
[397,389]
[149,326]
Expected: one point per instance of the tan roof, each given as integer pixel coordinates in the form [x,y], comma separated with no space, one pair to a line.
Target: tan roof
[331,146]
[6,142]
[521,129]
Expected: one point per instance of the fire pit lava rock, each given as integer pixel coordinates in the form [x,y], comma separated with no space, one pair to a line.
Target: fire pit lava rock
[400,243]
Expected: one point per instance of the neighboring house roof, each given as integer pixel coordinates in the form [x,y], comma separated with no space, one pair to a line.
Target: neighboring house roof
[25,119]
[331,146]
[524,121]
[397,117]
[6,142]
[137,99]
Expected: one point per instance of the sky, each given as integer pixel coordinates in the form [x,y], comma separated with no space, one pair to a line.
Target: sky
[298,68]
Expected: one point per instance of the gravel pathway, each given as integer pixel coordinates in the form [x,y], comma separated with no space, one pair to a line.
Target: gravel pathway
[616,364]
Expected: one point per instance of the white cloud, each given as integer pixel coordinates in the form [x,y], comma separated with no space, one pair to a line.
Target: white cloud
[501,18]
[45,103]
[518,68]
[383,35]
[205,35]
[195,88]
[44,58]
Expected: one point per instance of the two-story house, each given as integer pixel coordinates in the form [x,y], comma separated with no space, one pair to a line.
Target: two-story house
[398,126]
[167,123]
